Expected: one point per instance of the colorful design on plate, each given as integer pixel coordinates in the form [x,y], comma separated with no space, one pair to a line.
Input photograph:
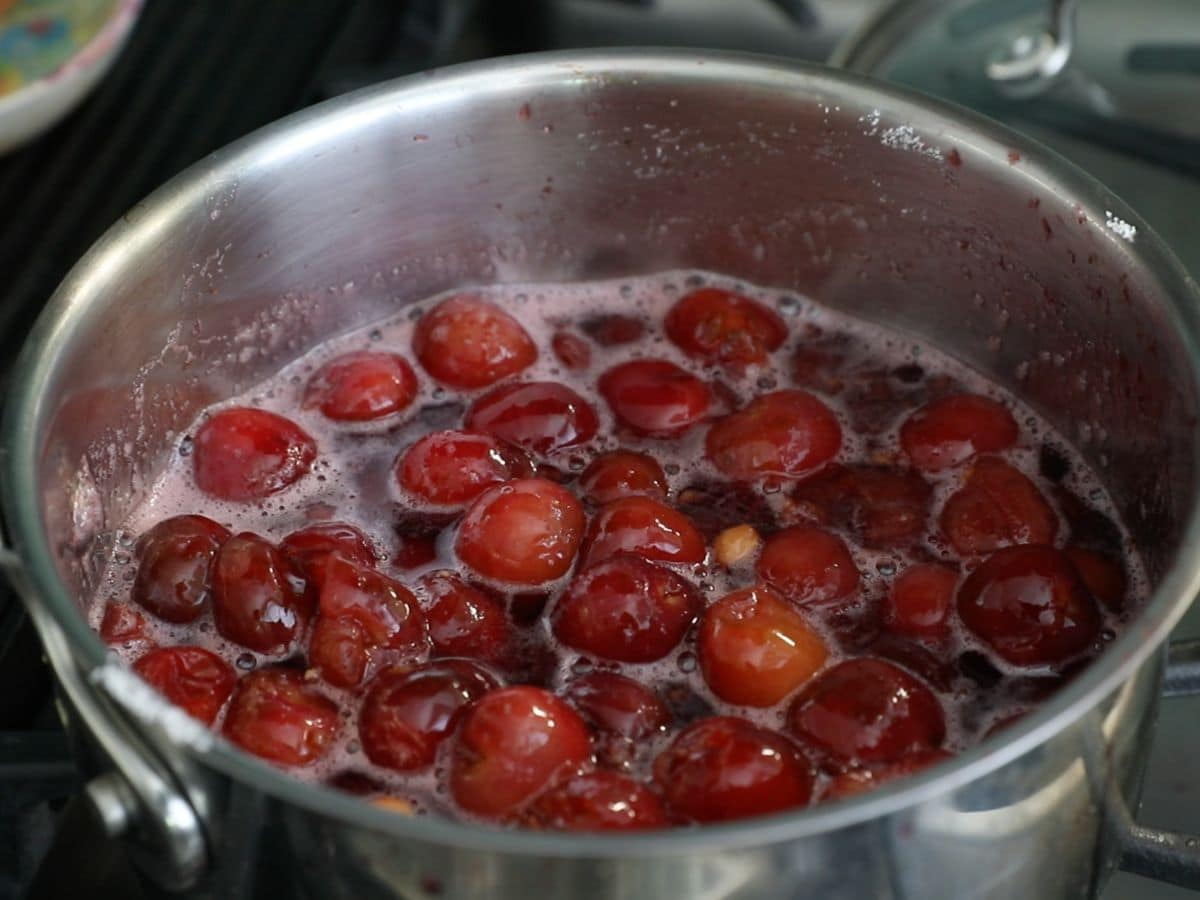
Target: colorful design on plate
[38,36]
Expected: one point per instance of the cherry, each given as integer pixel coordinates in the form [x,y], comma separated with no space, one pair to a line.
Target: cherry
[755,648]
[866,710]
[646,528]
[572,351]
[1103,576]
[466,342]
[407,713]
[720,326]
[598,801]
[726,768]
[613,330]
[920,599]
[1029,605]
[996,507]
[625,609]
[619,705]
[882,507]
[361,612]
[258,598]
[541,416]
[450,468]
[857,781]
[359,387]
[946,432]
[513,743]
[463,620]
[121,624]
[311,546]
[808,565]
[623,473]
[278,716]
[193,679]
[784,433]
[246,454]
[654,397]
[525,532]
[174,566]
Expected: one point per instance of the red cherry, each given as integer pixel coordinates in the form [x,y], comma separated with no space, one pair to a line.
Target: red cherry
[450,468]
[1030,606]
[572,351]
[259,599]
[466,342]
[275,714]
[723,327]
[626,609]
[866,710]
[996,507]
[121,624]
[525,532]
[359,387]
[464,621]
[247,454]
[655,397]
[1103,576]
[726,768]
[541,416]
[623,473]
[514,743]
[597,801]
[882,507]
[920,599]
[407,713]
[174,566]
[311,546]
[950,430]
[783,433]
[857,781]
[193,679]
[755,648]
[613,330]
[617,704]
[645,528]
[808,565]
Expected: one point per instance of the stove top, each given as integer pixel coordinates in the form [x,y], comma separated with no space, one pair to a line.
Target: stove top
[192,79]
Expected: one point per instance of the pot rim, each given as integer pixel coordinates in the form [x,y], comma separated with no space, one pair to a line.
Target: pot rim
[943,124]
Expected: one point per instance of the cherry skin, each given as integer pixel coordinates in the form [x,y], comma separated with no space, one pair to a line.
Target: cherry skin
[947,432]
[361,386]
[571,350]
[726,768]
[755,648]
[259,599]
[463,620]
[361,613]
[626,609]
[997,507]
[278,716]
[311,546]
[853,782]
[618,705]
[197,681]
[866,710]
[882,507]
[655,397]
[597,801]
[174,567]
[808,565]
[1103,576]
[450,468]
[1029,605]
[785,433]
[246,454]
[540,416]
[122,624]
[720,326]
[646,528]
[514,743]
[523,532]
[406,714]
[920,599]
[623,473]
[466,342]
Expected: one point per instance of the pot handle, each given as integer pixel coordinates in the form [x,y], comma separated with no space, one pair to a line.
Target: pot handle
[1165,855]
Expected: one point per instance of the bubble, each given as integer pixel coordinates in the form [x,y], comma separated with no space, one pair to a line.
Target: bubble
[185,446]
[245,662]
[789,305]
[375,335]
[687,661]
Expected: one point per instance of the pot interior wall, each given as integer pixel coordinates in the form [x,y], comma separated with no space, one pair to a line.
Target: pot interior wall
[847,196]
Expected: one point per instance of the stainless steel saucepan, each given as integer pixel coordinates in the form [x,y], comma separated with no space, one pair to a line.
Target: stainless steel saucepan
[574,166]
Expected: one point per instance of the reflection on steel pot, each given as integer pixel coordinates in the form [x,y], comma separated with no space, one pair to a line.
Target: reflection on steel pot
[608,164]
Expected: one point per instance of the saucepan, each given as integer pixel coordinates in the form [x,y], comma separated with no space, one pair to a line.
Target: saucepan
[880,203]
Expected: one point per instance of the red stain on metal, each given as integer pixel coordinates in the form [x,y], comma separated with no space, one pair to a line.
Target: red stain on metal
[524,112]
